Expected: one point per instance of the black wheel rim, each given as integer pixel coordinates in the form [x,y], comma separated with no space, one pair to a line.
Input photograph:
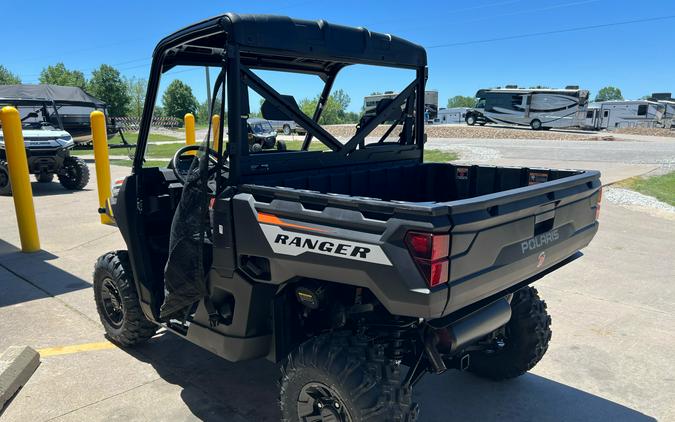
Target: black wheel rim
[319,403]
[113,307]
[71,171]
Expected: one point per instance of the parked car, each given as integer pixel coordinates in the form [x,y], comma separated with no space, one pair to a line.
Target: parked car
[287,127]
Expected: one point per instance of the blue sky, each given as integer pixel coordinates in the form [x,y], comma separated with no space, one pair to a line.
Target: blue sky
[476,44]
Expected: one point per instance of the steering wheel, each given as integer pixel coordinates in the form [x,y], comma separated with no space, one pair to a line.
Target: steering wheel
[213,158]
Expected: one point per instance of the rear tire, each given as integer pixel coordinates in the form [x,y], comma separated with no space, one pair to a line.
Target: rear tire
[527,336]
[346,377]
[470,120]
[44,177]
[75,174]
[117,301]
[535,124]
[256,148]
[5,186]
[281,146]
[287,130]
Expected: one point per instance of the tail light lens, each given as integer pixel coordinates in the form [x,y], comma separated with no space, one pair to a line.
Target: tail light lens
[597,206]
[430,253]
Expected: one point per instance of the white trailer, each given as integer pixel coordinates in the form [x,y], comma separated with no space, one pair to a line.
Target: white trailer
[452,115]
[537,108]
[430,102]
[668,113]
[622,114]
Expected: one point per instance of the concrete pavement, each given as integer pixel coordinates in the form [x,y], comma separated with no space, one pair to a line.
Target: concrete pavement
[613,311]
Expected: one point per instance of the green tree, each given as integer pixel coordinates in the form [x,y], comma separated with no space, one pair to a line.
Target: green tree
[59,75]
[609,93]
[178,100]
[335,110]
[107,85]
[136,89]
[461,101]
[7,77]
[202,116]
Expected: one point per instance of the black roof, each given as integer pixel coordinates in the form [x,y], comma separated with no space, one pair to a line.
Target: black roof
[57,93]
[280,42]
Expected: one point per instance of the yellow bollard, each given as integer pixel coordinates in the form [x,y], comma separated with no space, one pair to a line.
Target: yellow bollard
[215,128]
[100,137]
[19,179]
[189,122]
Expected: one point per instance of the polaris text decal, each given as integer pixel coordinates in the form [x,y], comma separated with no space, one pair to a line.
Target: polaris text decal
[539,241]
[293,243]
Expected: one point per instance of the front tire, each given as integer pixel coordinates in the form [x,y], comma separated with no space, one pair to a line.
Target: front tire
[287,130]
[535,124]
[117,301]
[470,120]
[281,146]
[75,173]
[5,186]
[346,378]
[526,340]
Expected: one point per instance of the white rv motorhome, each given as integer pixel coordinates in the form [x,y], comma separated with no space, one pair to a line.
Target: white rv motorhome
[537,108]
[621,114]
[430,102]
[452,115]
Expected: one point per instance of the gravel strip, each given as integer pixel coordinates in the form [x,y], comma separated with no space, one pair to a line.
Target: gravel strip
[646,131]
[623,196]
[482,132]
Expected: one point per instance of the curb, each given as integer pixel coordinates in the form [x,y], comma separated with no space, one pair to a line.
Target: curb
[17,364]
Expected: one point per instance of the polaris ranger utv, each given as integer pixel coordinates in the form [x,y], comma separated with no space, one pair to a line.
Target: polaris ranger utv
[359,268]
[47,146]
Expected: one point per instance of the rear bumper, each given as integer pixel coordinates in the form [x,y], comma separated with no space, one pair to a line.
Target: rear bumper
[477,287]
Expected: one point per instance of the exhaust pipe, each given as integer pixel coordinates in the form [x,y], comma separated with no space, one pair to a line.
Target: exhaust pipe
[474,326]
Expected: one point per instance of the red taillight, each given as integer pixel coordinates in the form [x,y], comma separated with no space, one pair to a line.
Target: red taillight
[430,252]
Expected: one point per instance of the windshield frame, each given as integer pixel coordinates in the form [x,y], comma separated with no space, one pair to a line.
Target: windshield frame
[174,51]
[40,104]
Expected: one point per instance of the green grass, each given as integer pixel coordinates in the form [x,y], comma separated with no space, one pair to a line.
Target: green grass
[132,137]
[660,187]
[438,156]
[148,163]
[167,151]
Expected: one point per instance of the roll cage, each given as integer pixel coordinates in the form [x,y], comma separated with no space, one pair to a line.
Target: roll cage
[241,44]
[42,103]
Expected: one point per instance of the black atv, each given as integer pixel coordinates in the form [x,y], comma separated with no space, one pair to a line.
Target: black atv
[47,147]
[358,268]
[262,136]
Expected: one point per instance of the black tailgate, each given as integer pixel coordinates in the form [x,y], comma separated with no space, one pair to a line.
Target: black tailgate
[501,239]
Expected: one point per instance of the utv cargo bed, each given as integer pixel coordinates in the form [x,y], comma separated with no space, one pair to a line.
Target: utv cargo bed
[506,224]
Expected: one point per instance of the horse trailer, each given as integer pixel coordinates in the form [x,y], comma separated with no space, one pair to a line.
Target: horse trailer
[452,115]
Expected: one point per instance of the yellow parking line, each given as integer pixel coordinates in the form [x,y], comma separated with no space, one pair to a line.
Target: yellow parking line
[75,348]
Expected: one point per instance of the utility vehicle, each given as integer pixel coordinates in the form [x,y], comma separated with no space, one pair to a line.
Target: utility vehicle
[47,146]
[70,111]
[261,135]
[358,267]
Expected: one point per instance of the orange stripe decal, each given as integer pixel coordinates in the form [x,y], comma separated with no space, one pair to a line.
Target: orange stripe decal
[273,219]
